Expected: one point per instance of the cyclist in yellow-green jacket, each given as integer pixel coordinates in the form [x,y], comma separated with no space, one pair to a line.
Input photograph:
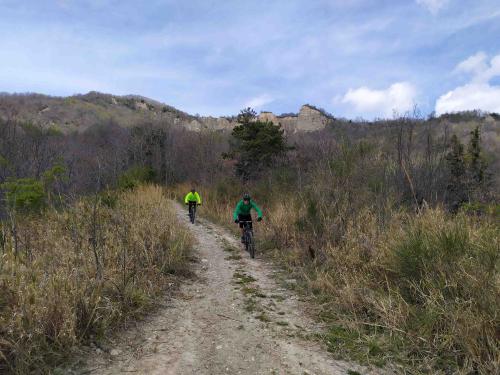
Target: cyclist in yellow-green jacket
[192,199]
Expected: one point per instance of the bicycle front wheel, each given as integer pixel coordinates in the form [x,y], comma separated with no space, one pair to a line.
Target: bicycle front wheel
[251,245]
[245,241]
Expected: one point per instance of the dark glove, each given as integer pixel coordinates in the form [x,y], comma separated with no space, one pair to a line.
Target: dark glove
[236,221]
[259,219]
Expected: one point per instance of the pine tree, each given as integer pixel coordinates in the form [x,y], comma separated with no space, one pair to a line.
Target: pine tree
[476,164]
[457,186]
[255,144]
[477,167]
[469,179]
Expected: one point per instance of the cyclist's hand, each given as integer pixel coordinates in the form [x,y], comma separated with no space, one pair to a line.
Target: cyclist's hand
[236,221]
[259,219]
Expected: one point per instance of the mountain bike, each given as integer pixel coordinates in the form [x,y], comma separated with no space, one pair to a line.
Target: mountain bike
[192,212]
[248,238]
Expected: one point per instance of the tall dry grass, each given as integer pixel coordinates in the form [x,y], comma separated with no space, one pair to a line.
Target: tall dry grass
[422,292]
[418,290]
[79,272]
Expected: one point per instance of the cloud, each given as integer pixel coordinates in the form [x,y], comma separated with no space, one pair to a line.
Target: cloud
[470,97]
[481,69]
[434,6]
[259,101]
[399,98]
[474,64]
[479,93]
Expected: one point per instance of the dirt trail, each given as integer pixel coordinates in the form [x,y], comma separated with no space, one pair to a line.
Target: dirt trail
[232,318]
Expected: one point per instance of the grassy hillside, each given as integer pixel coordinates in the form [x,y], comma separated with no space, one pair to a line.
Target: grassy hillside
[69,276]
[80,112]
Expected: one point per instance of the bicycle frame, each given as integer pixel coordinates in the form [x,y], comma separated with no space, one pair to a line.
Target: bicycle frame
[248,237]
[192,212]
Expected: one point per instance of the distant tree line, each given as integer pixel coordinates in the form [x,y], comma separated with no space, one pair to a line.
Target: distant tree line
[40,165]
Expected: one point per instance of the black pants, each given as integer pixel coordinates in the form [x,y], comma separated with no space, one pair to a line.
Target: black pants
[193,205]
[245,218]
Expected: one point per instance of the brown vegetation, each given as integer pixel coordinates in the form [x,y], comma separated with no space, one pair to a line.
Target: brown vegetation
[67,277]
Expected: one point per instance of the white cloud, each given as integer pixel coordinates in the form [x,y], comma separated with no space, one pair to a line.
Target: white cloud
[481,69]
[434,6]
[259,101]
[470,97]
[478,93]
[474,64]
[398,98]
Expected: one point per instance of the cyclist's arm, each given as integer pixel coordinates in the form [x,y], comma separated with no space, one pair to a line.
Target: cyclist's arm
[236,211]
[256,208]
[186,198]
[198,198]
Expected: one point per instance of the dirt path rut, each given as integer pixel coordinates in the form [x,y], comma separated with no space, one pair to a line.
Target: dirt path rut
[232,318]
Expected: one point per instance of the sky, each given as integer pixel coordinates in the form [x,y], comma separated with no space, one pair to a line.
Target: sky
[353,58]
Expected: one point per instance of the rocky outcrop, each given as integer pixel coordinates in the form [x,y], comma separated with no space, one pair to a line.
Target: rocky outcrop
[268,116]
[141,105]
[207,123]
[311,119]
[217,123]
[308,119]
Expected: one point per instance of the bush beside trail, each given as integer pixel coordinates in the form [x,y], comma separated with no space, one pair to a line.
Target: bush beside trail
[71,275]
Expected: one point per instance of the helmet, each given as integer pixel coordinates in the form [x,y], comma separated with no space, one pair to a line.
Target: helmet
[246,197]
[193,189]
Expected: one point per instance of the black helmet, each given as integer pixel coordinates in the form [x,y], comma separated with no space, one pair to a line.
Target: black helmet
[246,197]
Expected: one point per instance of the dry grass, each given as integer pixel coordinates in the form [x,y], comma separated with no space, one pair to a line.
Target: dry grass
[79,272]
[418,291]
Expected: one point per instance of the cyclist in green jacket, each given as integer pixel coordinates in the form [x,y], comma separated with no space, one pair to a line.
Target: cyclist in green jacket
[242,212]
[192,198]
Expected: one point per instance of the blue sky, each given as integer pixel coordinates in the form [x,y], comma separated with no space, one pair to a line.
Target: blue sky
[354,58]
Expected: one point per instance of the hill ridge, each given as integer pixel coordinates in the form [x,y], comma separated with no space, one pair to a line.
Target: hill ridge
[81,111]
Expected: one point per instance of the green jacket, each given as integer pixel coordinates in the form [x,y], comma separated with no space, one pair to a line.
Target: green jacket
[244,209]
[190,197]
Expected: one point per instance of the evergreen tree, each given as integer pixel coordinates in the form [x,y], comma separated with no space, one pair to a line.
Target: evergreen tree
[477,168]
[457,186]
[476,163]
[469,180]
[255,144]
[26,195]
